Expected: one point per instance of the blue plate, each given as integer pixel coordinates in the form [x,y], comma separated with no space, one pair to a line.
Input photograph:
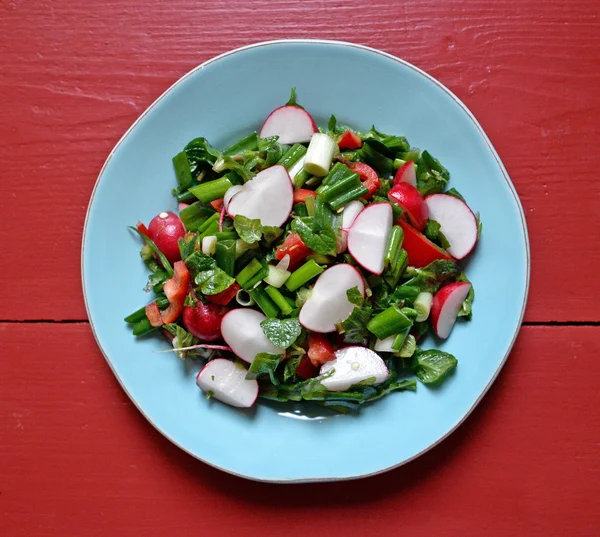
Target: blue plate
[222,100]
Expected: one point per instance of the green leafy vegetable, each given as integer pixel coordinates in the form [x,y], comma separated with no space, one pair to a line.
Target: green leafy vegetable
[466,309]
[355,326]
[265,364]
[432,177]
[201,155]
[433,366]
[291,364]
[321,241]
[271,233]
[195,215]
[249,230]
[281,332]
[435,275]
[183,171]
[433,232]
[228,163]
[248,143]
[455,193]
[206,274]
[355,296]
[165,263]
[182,339]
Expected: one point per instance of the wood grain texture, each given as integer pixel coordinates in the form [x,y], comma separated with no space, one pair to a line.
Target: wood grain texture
[75,75]
[76,457]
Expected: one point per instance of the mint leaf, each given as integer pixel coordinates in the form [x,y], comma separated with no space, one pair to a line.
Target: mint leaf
[433,366]
[355,296]
[182,338]
[281,332]
[271,233]
[455,193]
[249,230]
[466,310]
[321,242]
[264,364]
[209,278]
[433,276]
[355,326]
[291,365]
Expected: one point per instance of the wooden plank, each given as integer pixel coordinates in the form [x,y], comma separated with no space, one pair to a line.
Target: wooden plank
[73,77]
[76,457]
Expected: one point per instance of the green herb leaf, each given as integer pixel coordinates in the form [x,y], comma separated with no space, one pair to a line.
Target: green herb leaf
[455,193]
[271,233]
[281,332]
[355,326]
[265,364]
[249,230]
[433,233]
[433,276]
[182,339]
[159,277]
[332,123]
[213,281]
[320,241]
[355,296]
[433,366]
[291,365]
[292,101]
[466,310]
[432,177]
[201,155]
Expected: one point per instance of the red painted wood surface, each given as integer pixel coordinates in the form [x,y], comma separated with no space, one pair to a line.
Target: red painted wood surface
[76,458]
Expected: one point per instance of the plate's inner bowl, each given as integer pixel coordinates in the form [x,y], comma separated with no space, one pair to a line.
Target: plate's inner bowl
[223,101]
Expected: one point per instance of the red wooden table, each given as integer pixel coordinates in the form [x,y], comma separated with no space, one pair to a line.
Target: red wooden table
[76,457]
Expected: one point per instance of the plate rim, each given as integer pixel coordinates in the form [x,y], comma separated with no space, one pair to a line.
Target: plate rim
[493,152]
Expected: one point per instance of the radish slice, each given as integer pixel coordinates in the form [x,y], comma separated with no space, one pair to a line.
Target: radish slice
[351,366]
[226,381]
[230,193]
[369,234]
[241,330]
[292,124]
[406,174]
[446,305]
[269,197]
[457,221]
[349,214]
[328,303]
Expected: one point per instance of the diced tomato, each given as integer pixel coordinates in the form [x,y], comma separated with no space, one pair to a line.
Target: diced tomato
[305,369]
[421,251]
[176,289]
[142,229]
[295,248]
[368,176]
[217,204]
[303,193]
[320,349]
[224,297]
[350,140]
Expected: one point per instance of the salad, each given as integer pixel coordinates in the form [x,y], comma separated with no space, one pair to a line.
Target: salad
[308,264]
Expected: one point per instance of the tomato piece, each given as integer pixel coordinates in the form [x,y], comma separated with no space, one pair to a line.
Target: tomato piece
[217,204]
[350,140]
[176,289]
[224,297]
[421,251]
[306,370]
[153,314]
[369,178]
[142,229]
[320,349]
[301,194]
[295,248]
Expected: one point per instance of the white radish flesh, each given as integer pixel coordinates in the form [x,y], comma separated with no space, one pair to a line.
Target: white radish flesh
[328,303]
[319,155]
[349,214]
[241,330]
[232,191]
[268,197]
[369,234]
[292,124]
[446,305]
[226,381]
[351,366]
[408,174]
[457,221]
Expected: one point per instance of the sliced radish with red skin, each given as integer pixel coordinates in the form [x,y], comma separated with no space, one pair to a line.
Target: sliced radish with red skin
[226,381]
[268,197]
[406,174]
[408,198]
[457,221]
[421,251]
[369,234]
[242,332]
[351,366]
[351,211]
[446,305]
[229,195]
[328,303]
[182,206]
[292,124]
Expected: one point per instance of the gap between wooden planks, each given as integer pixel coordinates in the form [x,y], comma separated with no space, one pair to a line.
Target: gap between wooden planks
[77,458]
